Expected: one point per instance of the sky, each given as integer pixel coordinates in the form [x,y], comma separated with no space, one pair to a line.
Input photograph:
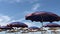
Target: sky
[15,10]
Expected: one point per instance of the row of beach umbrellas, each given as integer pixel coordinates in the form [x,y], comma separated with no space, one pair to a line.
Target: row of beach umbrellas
[16,24]
[39,16]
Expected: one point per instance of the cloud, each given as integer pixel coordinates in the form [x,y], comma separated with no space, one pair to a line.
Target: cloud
[4,19]
[35,7]
[19,20]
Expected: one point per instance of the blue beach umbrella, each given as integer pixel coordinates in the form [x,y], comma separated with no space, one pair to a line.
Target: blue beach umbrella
[33,29]
[17,25]
[52,26]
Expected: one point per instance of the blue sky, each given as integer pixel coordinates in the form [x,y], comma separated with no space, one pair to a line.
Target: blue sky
[15,10]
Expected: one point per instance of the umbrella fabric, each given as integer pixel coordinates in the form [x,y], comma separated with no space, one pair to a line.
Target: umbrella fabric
[51,25]
[42,16]
[17,24]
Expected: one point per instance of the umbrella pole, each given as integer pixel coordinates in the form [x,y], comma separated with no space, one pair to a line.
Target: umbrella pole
[42,28]
[51,32]
[5,32]
[15,29]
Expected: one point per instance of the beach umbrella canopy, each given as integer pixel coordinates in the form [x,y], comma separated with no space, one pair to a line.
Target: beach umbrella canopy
[42,16]
[17,24]
[34,27]
[51,25]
